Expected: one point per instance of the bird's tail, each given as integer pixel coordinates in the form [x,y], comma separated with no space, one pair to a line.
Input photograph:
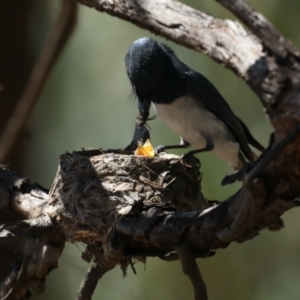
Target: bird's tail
[251,140]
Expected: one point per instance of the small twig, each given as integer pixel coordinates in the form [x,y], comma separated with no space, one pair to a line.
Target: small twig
[190,268]
[132,267]
[159,186]
[57,39]
[151,171]
[148,181]
[89,282]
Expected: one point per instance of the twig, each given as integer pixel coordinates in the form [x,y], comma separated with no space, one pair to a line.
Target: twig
[57,39]
[190,268]
[89,283]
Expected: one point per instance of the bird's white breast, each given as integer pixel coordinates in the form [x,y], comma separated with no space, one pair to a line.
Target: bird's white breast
[195,124]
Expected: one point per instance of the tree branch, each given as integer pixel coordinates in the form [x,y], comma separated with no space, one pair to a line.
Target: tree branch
[225,41]
[57,39]
[41,258]
[43,239]
[105,202]
[190,268]
[262,28]
[21,195]
[125,207]
[89,283]
[33,228]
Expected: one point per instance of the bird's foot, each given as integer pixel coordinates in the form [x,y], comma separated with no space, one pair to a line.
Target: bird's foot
[190,155]
[159,149]
[239,175]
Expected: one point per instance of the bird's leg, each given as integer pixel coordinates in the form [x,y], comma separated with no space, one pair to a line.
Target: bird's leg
[248,166]
[183,144]
[209,147]
[239,175]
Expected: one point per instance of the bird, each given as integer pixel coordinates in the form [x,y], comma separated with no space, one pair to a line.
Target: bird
[188,103]
[140,136]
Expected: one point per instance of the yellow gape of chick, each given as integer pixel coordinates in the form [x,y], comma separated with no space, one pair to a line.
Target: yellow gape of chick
[145,150]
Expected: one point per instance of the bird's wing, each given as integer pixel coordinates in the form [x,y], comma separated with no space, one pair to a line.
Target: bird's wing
[202,88]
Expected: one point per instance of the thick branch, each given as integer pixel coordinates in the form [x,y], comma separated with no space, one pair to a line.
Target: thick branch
[126,207]
[34,228]
[225,41]
[41,235]
[20,195]
[40,258]
[149,204]
[140,190]
[44,243]
[262,28]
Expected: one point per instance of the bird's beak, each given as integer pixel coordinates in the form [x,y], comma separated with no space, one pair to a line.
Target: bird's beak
[144,107]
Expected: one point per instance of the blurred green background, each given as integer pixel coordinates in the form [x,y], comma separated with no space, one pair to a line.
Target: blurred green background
[87,103]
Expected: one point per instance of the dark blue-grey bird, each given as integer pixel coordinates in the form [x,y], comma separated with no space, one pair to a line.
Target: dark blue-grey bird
[188,103]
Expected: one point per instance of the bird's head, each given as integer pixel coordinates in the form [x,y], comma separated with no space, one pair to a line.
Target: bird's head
[144,66]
